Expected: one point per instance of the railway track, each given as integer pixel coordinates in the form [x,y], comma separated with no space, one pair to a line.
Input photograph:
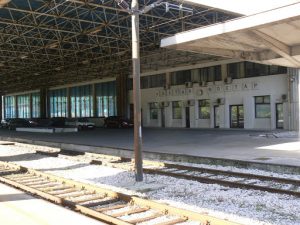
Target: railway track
[105,205]
[203,175]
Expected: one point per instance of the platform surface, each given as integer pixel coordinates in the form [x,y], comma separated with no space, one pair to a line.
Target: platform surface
[18,208]
[260,146]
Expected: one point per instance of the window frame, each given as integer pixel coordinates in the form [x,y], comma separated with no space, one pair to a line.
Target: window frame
[263,103]
[205,105]
[176,106]
[153,106]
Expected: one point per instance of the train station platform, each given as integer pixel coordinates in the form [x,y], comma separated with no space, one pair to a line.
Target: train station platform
[274,147]
[17,207]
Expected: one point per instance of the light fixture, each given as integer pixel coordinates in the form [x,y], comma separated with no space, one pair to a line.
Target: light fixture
[123,4]
[4,2]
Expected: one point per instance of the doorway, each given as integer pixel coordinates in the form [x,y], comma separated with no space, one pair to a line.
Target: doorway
[236,116]
[162,111]
[187,117]
[216,116]
[279,115]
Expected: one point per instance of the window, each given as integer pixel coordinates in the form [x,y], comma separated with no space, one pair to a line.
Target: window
[233,70]
[35,97]
[176,110]
[181,77]
[106,99]
[204,109]
[158,80]
[262,107]
[23,106]
[144,82]
[212,73]
[153,106]
[277,70]
[256,69]
[81,101]
[10,104]
[58,103]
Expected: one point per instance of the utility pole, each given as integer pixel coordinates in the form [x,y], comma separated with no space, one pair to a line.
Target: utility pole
[136,72]
[136,90]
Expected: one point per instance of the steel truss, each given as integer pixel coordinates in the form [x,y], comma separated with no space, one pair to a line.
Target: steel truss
[51,42]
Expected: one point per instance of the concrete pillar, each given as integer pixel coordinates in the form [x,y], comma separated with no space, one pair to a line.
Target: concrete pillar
[3,106]
[293,98]
[168,79]
[16,106]
[122,95]
[224,71]
[43,103]
[195,75]
[242,70]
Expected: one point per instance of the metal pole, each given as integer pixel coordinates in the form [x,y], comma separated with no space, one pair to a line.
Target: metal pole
[136,91]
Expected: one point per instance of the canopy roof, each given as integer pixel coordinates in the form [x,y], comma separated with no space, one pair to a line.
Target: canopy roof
[244,7]
[270,37]
[51,42]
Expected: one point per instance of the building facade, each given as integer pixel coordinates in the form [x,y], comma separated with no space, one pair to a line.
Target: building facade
[227,94]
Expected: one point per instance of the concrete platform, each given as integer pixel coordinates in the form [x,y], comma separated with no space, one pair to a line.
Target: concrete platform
[246,145]
[16,207]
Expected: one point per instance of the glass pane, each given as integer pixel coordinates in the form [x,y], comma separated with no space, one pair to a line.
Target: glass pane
[259,99]
[279,115]
[267,99]
[263,111]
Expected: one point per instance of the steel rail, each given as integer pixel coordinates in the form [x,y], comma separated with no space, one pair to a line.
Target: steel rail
[183,171]
[160,167]
[95,201]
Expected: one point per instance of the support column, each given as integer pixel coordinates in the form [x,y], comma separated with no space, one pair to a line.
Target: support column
[293,98]
[3,106]
[168,79]
[16,106]
[224,71]
[122,95]
[43,103]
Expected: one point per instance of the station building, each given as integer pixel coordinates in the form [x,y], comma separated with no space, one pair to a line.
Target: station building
[222,94]
[187,89]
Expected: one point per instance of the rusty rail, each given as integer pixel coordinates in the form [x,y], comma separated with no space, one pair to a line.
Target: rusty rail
[103,204]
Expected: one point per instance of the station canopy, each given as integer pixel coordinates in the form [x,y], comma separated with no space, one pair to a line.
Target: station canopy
[45,43]
[270,37]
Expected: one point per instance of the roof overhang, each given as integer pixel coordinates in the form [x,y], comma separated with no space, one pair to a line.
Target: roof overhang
[243,7]
[270,37]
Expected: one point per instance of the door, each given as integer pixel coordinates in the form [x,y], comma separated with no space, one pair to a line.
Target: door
[279,115]
[187,117]
[216,116]
[162,111]
[236,116]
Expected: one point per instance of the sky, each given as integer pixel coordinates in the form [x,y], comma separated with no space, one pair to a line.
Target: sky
[245,7]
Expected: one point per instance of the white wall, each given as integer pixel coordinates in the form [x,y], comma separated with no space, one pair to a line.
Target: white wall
[240,91]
